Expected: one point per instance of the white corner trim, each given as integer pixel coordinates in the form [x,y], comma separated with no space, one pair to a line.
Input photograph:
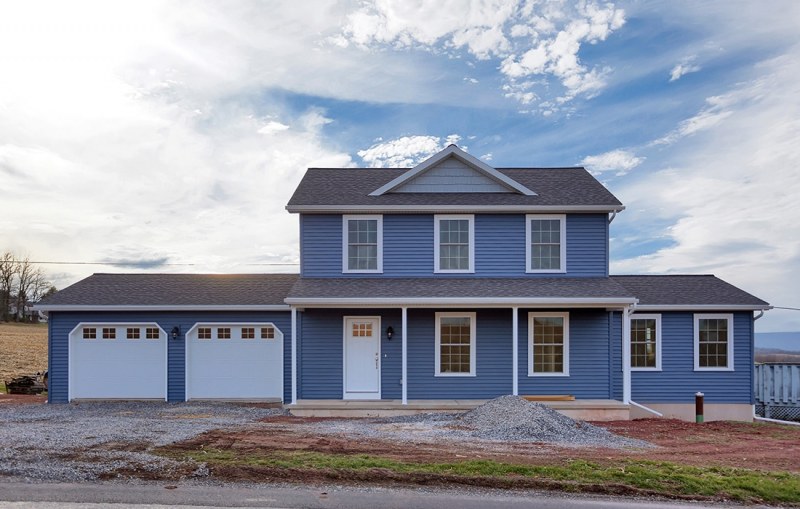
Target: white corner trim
[562,243]
[473,342]
[642,316]
[560,314]
[465,158]
[437,218]
[345,243]
[713,316]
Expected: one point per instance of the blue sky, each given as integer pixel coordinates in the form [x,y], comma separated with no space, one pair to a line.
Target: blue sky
[168,136]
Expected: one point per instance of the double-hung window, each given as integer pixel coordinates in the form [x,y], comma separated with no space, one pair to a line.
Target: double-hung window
[548,344]
[645,342]
[455,344]
[454,239]
[713,342]
[546,243]
[362,243]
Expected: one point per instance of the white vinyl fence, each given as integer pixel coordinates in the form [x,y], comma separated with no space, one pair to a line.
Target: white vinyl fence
[777,390]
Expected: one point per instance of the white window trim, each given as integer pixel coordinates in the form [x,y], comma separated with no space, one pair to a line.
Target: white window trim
[436,255]
[563,219]
[346,218]
[657,318]
[713,316]
[472,343]
[560,314]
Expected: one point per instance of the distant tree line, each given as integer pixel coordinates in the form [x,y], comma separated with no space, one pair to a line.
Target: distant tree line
[22,284]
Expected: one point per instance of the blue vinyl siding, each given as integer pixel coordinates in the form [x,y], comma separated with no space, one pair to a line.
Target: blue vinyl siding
[678,381]
[408,246]
[321,349]
[62,323]
[492,364]
[589,376]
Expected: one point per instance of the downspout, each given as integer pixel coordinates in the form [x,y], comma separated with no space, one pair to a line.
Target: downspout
[626,362]
[613,215]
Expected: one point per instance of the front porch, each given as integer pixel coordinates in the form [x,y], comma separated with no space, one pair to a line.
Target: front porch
[583,409]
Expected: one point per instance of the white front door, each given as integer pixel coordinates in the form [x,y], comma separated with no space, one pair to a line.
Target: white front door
[362,357]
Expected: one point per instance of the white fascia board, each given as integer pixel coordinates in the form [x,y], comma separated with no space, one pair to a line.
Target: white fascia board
[66,307]
[701,307]
[464,157]
[542,302]
[360,209]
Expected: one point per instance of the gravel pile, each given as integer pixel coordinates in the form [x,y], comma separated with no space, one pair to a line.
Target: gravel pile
[88,440]
[514,418]
[503,419]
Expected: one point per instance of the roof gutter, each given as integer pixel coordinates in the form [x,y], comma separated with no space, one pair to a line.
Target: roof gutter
[703,307]
[191,307]
[319,209]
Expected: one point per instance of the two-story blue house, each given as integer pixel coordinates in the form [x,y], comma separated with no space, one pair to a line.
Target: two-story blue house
[437,286]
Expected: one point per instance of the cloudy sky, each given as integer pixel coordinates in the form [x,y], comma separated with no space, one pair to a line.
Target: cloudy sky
[168,136]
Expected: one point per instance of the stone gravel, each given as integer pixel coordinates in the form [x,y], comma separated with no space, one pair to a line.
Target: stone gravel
[87,441]
[503,419]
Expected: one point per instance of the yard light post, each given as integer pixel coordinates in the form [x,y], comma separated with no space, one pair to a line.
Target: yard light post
[698,407]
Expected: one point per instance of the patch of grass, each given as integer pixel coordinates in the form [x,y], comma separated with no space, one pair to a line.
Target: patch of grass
[3,388]
[662,478]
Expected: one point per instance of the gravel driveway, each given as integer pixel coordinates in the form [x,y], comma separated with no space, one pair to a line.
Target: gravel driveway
[89,441]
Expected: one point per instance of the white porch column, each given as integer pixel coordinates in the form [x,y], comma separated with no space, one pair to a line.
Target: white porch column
[515,350]
[294,355]
[626,355]
[404,355]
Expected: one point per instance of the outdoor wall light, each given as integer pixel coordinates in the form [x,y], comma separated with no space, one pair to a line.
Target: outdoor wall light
[175,331]
[389,332]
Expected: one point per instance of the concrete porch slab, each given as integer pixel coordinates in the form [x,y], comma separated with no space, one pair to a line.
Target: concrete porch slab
[584,409]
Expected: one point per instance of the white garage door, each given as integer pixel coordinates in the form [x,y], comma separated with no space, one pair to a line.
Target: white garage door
[234,361]
[117,361]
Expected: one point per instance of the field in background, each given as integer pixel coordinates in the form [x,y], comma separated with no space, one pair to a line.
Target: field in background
[23,349]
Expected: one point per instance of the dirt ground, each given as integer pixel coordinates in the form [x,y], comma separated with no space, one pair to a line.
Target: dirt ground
[756,446]
[23,349]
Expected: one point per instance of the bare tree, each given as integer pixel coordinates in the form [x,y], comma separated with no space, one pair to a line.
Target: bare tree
[26,275]
[8,271]
[40,286]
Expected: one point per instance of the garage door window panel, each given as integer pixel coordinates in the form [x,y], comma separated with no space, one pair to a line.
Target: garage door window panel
[132,333]
[89,333]
[267,333]
[109,333]
[223,333]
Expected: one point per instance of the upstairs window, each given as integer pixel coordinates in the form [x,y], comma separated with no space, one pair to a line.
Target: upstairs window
[362,249]
[546,243]
[454,238]
[646,342]
[713,342]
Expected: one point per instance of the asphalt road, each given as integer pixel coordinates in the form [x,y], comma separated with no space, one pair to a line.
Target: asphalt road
[160,495]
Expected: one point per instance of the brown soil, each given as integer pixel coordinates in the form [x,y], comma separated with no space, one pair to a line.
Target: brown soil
[23,349]
[21,399]
[755,446]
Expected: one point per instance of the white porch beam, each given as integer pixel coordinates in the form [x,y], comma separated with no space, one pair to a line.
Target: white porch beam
[404,355]
[515,350]
[294,355]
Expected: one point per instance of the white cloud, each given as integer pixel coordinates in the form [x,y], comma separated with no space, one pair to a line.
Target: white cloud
[712,115]
[686,66]
[406,151]
[272,127]
[730,200]
[619,161]
[529,40]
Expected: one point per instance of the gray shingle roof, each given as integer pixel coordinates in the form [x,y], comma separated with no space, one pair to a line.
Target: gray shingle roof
[555,187]
[176,290]
[686,290]
[370,289]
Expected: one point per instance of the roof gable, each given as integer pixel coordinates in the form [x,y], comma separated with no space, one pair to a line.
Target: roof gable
[452,171]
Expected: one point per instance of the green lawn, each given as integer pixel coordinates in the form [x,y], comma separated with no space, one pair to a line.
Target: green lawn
[656,478]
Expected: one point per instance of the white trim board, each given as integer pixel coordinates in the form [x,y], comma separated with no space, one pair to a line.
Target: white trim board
[657,318]
[565,343]
[730,340]
[437,244]
[162,307]
[473,343]
[562,218]
[446,209]
[346,218]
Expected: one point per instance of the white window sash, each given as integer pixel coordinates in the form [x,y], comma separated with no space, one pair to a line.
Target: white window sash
[438,343]
[346,218]
[531,317]
[563,243]
[437,218]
